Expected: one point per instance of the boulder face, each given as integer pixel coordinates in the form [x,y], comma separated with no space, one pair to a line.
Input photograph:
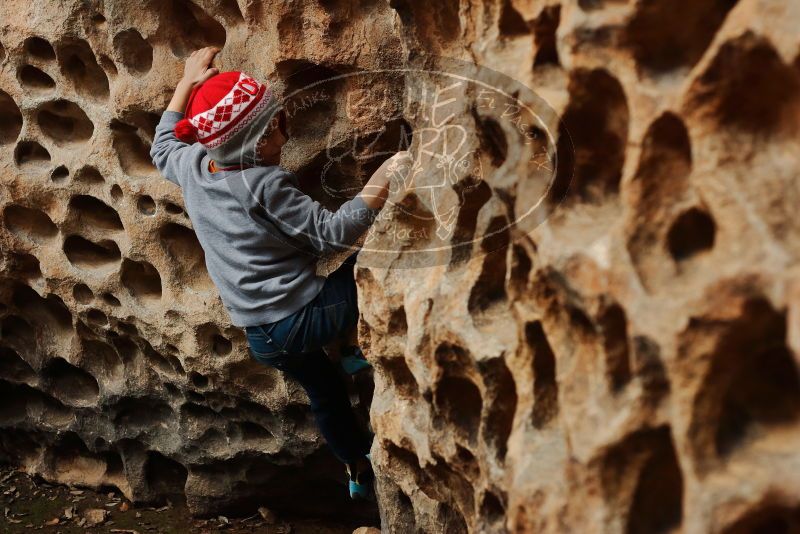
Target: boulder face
[581,307]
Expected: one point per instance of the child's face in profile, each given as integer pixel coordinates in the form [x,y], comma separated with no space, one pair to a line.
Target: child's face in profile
[269,146]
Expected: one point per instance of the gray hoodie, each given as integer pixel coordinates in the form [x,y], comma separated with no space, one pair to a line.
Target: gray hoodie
[261,235]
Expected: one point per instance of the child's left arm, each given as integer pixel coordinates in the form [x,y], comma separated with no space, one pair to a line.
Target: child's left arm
[168,151]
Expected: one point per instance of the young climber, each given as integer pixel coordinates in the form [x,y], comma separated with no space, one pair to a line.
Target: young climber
[220,140]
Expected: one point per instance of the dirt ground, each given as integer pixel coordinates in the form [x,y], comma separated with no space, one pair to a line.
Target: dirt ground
[29,503]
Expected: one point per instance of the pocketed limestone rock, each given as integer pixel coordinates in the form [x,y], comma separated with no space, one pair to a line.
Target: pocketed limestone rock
[586,323]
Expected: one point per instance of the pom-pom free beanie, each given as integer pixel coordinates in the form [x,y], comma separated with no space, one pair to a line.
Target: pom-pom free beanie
[228,114]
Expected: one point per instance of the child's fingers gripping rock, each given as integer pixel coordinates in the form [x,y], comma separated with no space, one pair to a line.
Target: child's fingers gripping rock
[391,174]
[399,172]
[198,66]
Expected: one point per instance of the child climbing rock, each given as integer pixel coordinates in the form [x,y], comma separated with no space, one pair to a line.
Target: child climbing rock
[220,140]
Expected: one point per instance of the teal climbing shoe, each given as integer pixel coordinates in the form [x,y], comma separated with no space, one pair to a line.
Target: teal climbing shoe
[361,485]
[353,360]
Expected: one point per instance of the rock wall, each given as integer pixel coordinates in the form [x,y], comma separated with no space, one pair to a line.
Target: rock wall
[623,360]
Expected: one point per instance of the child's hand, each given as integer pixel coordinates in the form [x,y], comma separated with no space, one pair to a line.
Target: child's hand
[393,173]
[392,167]
[198,67]
[396,173]
[399,172]
[197,70]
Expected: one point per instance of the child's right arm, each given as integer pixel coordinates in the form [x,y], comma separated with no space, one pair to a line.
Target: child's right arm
[168,152]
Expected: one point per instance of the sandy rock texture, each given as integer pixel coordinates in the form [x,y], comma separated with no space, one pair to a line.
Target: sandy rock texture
[621,360]
[118,363]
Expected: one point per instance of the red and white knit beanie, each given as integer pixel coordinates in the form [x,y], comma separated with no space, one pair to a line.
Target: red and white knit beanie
[228,113]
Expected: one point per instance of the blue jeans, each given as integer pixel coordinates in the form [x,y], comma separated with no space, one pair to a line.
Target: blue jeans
[294,345]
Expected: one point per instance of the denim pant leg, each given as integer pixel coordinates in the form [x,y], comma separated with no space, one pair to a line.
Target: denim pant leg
[332,314]
[324,385]
[330,403]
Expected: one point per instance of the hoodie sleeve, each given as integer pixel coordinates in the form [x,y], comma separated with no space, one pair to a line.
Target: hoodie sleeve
[303,218]
[172,157]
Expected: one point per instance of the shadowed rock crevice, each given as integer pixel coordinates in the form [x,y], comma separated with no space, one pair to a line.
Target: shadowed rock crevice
[14,368]
[48,314]
[658,501]
[451,519]
[132,145]
[18,399]
[187,254]
[614,328]
[59,174]
[146,205]
[110,299]
[39,48]
[692,233]
[210,338]
[141,279]
[589,5]
[165,477]
[64,122]
[79,65]
[29,223]
[18,334]
[767,518]
[649,368]
[134,52]
[10,119]
[89,175]
[751,385]
[596,125]
[174,209]
[502,406]
[665,37]
[231,12]
[545,387]
[26,265]
[86,254]
[96,317]
[544,29]
[519,270]
[69,384]
[642,475]
[511,21]
[189,27]
[141,414]
[658,192]
[474,198]
[35,79]
[457,399]
[434,26]
[86,210]
[101,360]
[493,139]
[493,510]
[748,88]
[31,156]
[400,377]
[489,289]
